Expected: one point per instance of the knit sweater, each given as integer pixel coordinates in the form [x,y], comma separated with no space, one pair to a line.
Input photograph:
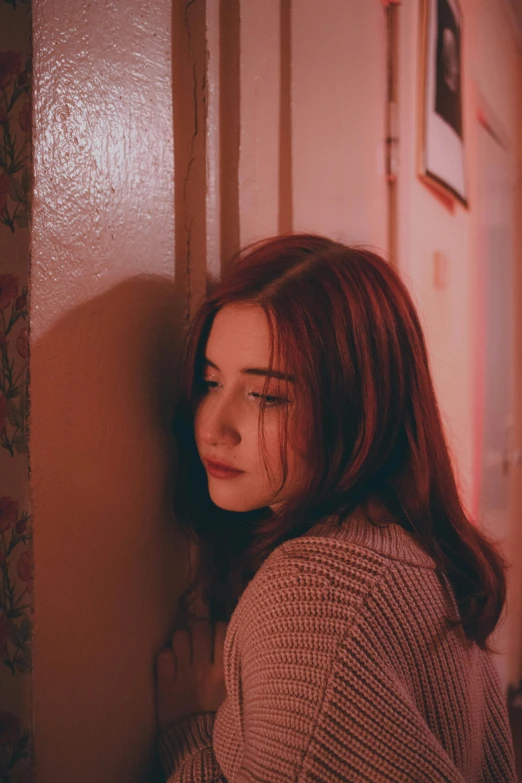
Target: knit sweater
[340,666]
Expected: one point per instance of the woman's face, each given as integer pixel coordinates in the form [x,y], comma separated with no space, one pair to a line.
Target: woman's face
[227,416]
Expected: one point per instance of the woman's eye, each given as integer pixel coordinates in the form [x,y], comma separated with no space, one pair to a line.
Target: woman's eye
[271,400]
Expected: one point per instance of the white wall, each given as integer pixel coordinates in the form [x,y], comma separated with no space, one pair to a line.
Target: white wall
[451,316]
[428,224]
[338,115]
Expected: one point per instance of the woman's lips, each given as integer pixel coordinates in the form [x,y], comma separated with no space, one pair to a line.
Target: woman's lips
[218,471]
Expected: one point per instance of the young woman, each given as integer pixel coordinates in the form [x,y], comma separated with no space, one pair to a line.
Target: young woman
[315,477]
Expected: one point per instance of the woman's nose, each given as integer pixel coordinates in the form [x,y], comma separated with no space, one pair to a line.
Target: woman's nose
[217,423]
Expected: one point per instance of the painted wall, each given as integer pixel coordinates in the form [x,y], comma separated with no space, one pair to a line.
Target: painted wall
[106,312]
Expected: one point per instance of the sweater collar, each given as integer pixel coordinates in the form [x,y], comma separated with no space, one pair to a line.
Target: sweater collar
[387,538]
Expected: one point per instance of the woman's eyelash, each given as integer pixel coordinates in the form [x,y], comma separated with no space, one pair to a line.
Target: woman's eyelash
[271,400]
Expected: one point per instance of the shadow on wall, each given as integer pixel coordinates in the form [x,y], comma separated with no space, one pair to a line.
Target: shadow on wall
[109,562]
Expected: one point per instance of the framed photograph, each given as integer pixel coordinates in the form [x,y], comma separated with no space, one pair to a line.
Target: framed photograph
[441,141]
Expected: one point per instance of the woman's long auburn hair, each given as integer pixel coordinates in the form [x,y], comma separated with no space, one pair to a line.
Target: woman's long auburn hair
[342,322]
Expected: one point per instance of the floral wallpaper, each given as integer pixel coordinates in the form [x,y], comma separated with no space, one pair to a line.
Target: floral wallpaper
[16,557]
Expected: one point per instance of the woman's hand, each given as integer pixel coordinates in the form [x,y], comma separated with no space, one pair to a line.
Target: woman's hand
[189,675]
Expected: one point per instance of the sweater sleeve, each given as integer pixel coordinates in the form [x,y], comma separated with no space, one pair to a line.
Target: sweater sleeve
[276,666]
[186,753]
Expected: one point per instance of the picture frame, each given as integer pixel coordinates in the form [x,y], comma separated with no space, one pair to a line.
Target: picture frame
[441,158]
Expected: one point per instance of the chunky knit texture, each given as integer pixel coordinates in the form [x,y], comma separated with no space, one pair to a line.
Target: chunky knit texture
[340,666]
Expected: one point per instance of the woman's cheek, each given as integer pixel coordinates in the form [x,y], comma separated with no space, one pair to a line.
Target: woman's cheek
[297,434]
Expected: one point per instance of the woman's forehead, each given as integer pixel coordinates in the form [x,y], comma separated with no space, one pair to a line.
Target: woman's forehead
[239,330]
[240,338]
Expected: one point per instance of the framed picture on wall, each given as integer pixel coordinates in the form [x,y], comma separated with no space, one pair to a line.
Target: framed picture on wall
[441,140]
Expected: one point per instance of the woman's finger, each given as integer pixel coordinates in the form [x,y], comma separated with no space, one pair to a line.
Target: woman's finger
[220,630]
[182,647]
[201,631]
[166,666]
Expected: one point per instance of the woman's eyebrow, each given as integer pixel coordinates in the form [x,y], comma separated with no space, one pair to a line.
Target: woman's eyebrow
[257,371]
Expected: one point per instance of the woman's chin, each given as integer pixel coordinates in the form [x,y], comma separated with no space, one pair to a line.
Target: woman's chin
[238,505]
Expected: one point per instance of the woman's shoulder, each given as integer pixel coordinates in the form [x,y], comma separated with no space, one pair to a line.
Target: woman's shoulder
[329,572]
[319,591]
